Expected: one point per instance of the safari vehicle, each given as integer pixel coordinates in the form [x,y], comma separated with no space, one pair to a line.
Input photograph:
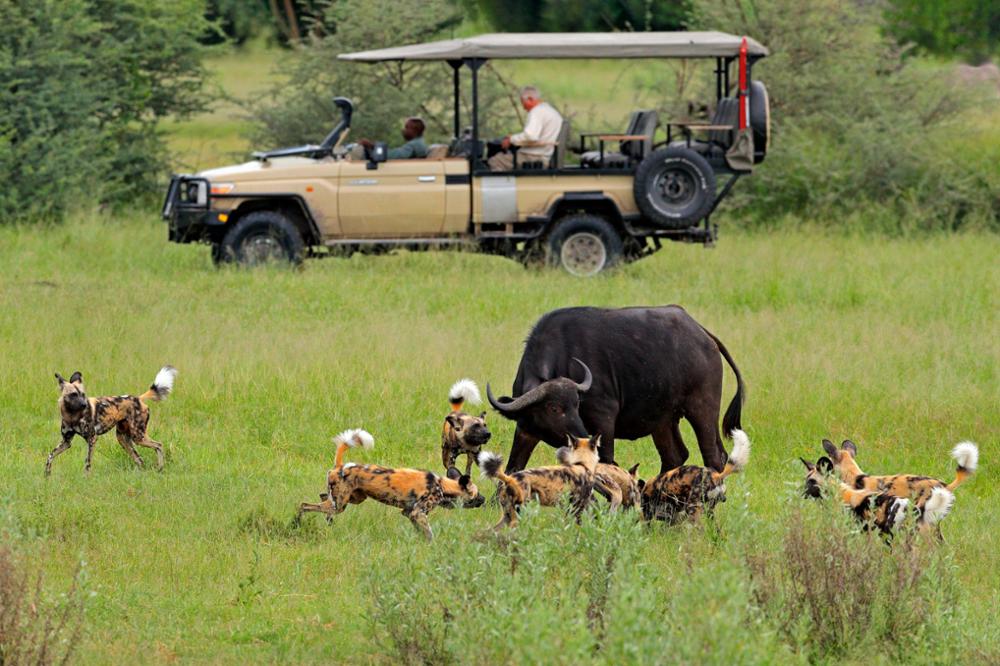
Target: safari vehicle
[627,194]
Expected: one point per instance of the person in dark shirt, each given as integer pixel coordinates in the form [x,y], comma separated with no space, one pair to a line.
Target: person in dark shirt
[413,134]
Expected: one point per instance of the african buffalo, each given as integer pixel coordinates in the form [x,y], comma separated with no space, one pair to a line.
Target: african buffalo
[644,369]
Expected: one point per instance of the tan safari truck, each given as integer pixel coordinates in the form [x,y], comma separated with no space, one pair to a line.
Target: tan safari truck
[625,196]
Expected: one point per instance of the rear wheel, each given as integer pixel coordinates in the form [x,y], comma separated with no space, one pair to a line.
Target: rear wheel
[584,245]
[674,187]
[261,237]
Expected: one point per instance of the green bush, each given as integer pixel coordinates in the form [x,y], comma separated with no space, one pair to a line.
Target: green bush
[83,84]
[855,127]
[300,110]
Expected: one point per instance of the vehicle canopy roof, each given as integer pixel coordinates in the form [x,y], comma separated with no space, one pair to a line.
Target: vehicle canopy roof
[570,45]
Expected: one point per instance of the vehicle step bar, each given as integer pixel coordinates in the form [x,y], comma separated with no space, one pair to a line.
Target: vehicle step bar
[399,241]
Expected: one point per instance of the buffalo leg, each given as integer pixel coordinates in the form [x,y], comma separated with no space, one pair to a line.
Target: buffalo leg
[706,429]
[669,444]
[520,451]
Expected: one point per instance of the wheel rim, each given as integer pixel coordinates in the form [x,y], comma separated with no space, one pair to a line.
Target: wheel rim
[674,189]
[262,248]
[583,254]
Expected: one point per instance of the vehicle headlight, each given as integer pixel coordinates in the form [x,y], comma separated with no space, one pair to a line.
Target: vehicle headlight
[222,188]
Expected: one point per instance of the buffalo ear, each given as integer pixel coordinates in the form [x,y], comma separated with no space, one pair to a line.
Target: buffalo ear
[809,465]
[831,450]
[60,378]
[850,447]
[75,377]
[825,465]
[632,470]
[453,474]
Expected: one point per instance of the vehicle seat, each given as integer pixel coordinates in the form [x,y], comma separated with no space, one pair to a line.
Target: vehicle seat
[559,154]
[437,151]
[718,142]
[642,122]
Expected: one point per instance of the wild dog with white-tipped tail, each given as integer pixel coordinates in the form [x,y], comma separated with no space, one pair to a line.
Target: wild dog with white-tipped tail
[415,491]
[92,417]
[463,433]
[688,491]
[931,498]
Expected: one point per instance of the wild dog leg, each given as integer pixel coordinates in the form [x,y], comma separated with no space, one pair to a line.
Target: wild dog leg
[153,444]
[418,517]
[126,442]
[610,491]
[91,442]
[67,438]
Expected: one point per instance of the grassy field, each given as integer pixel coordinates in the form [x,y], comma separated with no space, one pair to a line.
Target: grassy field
[892,343]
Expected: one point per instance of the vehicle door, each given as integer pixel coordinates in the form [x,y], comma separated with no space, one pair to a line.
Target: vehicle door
[398,198]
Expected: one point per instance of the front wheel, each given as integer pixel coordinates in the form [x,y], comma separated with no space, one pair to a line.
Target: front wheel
[584,245]
[261,237]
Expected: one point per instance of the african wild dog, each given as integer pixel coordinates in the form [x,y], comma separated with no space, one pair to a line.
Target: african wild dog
[575,475]
[873,508]
[414,491]
[627,482]
[463,433]
[688,490]
[932,498]
[91,417]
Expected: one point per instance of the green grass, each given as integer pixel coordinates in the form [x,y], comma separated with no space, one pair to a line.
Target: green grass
[891,343]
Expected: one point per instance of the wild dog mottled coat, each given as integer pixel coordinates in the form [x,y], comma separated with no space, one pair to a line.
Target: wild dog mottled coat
[92,417]
[686,491]
[417,492]
[546,485]
[463,434]
[932,498]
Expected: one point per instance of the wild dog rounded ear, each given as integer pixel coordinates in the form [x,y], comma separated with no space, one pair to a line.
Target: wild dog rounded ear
[632,470]
[463,481]
[75,377]
[482,415]
[642,484]
[595,442]
[825,465]
[453,474]
[454,421]
[850,447]
[829,447]
[809,465]
[60,378]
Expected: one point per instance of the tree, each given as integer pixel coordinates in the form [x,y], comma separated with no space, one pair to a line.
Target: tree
[300,110]
[968,29]
[584,15]
[83,84]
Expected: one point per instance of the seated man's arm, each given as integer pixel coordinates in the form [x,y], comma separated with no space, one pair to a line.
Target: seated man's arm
[532,131]
[404,152]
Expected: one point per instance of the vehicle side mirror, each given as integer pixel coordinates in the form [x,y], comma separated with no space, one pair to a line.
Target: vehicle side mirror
[378,153]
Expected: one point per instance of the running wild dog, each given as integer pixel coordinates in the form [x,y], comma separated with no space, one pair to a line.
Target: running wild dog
[463,433]
[417,492]
[872,508]
[575,475]
[92,417]
[687,491]
[931,497]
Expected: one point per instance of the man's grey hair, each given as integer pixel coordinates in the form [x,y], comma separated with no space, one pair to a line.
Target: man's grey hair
[530,91]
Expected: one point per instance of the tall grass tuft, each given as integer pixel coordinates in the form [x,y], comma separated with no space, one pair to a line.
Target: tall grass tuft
[35,629]
[840,591]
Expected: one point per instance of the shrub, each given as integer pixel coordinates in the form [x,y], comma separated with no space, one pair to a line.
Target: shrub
[33,628]
[842,592]
[855,126]
[83,84]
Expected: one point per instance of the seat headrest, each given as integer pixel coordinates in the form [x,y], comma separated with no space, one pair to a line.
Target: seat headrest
[437,151]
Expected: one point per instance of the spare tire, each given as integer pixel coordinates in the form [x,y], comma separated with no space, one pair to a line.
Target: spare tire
[674,187]
[760,120]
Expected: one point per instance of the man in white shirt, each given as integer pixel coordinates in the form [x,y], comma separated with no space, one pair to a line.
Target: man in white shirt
[538,140]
